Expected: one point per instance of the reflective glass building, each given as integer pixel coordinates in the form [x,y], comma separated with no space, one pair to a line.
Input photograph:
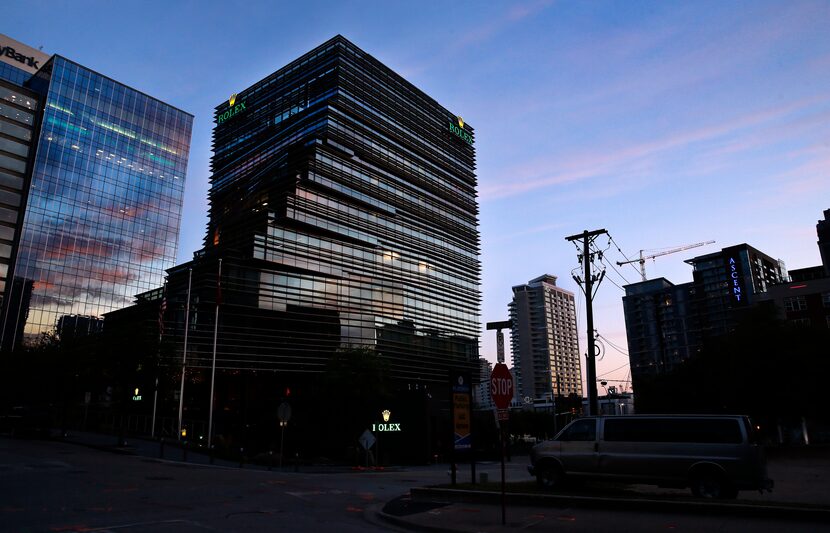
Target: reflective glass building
[343,213]
[100,189]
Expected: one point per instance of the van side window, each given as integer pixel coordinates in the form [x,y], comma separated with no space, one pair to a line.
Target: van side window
[699,430]
[581,430]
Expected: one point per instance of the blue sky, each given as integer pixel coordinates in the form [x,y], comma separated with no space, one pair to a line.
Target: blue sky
[666,123]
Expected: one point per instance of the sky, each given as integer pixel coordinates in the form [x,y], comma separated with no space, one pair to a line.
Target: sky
[666,123]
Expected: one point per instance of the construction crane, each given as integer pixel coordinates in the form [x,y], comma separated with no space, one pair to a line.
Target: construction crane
[642,259]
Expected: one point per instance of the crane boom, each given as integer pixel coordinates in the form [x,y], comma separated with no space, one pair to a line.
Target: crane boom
[642,259]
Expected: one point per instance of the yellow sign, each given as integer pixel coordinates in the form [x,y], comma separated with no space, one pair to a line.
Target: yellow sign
[460,122]
[386,414]
[232,99]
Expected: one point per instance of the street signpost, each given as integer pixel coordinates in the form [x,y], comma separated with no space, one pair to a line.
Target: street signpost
[501,390]
[284,414]
[367,440]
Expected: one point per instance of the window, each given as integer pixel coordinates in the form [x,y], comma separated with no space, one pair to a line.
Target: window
[581,430]
[673,430]
[795,303]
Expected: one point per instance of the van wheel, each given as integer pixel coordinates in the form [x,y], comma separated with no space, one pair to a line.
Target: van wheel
[712,486]
[550,476]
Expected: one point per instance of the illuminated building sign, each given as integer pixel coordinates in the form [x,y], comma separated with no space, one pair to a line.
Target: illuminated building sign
[458,131]
[136,396]
[386,426]
[232,111]
[735,281]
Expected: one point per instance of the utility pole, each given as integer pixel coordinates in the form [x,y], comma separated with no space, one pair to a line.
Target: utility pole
[587,259]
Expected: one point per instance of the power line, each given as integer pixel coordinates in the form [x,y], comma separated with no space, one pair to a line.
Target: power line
[612,344]
[628,261]
[618,368]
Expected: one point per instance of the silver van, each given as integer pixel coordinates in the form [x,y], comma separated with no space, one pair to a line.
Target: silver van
[714,455]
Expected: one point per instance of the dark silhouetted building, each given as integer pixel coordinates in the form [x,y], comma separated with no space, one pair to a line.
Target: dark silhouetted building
[343,214]
[666,324]
[804,300]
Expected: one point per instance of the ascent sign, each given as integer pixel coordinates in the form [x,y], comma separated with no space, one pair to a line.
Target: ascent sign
[501,386]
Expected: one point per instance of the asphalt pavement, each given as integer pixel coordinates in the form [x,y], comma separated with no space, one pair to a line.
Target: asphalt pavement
[799,502]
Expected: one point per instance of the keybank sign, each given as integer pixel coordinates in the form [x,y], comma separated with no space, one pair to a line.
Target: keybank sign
[21,56]
[233,110]
[457,129]
[29,61]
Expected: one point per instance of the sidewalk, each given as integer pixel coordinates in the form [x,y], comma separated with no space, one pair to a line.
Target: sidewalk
[801,494]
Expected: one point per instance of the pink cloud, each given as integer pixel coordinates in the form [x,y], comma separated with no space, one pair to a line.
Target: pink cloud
[601,160]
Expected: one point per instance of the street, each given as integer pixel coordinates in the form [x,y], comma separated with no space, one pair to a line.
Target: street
[52,486]
[58,486]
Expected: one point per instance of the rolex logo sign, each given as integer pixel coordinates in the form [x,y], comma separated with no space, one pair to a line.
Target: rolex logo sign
[234,109]
[457,129]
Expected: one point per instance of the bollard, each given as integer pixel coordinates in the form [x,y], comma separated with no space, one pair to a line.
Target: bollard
[161,448]
[270,460]
[184,451]
[210,453]
[296,462]
[241,457]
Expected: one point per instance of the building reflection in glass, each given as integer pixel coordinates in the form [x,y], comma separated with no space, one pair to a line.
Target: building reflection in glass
[104,205]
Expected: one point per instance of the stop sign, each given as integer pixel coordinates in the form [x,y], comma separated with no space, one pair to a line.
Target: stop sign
[501,386]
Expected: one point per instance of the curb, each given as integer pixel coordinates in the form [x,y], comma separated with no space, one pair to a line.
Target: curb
[787,511]
[412,526]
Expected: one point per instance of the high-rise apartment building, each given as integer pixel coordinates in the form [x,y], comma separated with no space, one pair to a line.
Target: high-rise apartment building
[544,340]
[92,179]
[343,214]
[666,323]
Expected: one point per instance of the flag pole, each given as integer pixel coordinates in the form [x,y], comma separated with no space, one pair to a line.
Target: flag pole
[213,366]
[184,349]
[162,307]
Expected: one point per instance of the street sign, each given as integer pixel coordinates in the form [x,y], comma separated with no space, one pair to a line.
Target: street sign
[367,439]
[501,386]
[503,414]
[284,412]
[461,410]
[500,346]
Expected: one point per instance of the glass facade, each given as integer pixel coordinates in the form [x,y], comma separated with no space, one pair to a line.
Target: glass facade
[344,206]
[102,218]
[12,74]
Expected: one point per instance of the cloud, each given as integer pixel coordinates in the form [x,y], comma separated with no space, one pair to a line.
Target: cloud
[529,231]
[478,33]
[603,160]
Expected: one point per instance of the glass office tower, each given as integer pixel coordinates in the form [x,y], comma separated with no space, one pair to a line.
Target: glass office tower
[105,189]
[343,208]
